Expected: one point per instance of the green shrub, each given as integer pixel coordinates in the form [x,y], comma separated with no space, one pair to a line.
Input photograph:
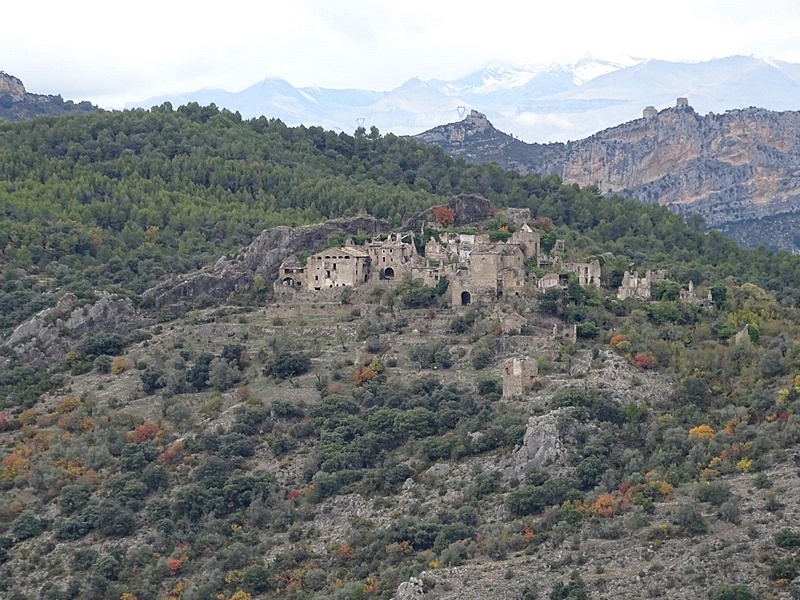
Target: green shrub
[732,592]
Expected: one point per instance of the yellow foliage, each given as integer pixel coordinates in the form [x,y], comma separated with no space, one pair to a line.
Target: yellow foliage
[72,356]
[744,465]
[119,365]
[434,564]
[241,595]
[234,576]
[27,417]
[782,399]
[128,596]
[67,405]
[702,432]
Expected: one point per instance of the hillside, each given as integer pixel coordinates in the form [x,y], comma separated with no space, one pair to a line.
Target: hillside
[175,426]
[340,444]
[17,104]
[736,170]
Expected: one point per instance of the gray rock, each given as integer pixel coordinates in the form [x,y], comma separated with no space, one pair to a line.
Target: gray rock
[541,444]
[410,590]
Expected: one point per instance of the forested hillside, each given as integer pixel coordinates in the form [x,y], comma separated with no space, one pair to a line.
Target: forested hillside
[121,200]
[333,445]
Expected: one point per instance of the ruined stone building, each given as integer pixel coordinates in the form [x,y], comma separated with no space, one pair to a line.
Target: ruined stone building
[337,267]
[291,275]
[519,375]
[392,258]
[588,274]
[476,268]
[634,286]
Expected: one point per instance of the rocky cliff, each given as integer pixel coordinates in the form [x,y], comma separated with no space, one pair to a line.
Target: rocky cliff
[17,104]
[735,169]
[732,167]
[476,140]
[263,256]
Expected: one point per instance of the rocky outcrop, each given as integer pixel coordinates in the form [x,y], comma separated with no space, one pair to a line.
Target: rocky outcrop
[738,167]
[413,589]
[541,444]
[273,245]
[476,140]
[467,209]
[50,334]
[731,167]
[262,257]
[215,283]
[11,86]
[17,104]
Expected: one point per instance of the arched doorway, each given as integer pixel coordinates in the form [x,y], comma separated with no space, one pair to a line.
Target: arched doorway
[466,298]
[388,273]
[288,282]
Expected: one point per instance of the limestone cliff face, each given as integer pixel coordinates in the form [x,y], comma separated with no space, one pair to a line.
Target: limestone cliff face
[11,86]
[737,166]
[740,170]
[17,104]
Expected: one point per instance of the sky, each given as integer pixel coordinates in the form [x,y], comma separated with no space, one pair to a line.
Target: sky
[111,53]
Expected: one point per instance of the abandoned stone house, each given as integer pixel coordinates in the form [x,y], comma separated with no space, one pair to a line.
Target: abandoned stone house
[634,286]
[519,375]
[588,274]
[337,267]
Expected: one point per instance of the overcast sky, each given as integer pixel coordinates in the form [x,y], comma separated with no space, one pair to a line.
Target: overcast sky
[113,52]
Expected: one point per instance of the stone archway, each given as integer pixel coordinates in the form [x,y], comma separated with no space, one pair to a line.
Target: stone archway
[287,281]
[466,298]
[388,273]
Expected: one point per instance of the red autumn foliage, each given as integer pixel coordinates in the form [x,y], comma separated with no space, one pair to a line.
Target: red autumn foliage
[617,340]
[293,495]
[146,431]
[172,453]
[644,360]
[3,421]
[444,215]
[175,564]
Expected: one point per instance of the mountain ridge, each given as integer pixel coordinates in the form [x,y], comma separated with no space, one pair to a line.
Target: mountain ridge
[537,103]
[16,103]
[737,167]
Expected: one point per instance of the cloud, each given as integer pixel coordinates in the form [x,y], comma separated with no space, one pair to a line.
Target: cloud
[116,52]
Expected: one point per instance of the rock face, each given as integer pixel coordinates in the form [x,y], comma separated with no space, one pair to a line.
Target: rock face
[476,140]
[263,256]
[11,86]
[17,104]
[50,334]
[738,170]
[731,167]
[273,245]
[412,589]
[541,444]
[467,209]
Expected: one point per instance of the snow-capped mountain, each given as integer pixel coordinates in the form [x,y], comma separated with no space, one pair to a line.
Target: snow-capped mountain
[535,103]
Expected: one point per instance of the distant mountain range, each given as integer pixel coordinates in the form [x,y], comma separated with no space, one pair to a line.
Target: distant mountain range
[16,103]
[536,104]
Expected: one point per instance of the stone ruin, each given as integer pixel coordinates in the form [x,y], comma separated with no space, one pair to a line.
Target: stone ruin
[519,375]
[637,287]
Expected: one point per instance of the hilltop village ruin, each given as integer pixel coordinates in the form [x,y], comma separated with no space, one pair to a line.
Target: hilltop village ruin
[476,268]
